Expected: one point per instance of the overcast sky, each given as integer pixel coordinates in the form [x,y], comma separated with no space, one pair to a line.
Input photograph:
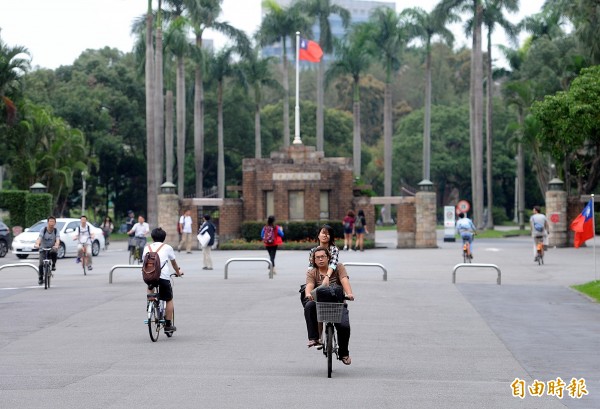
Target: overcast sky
[56,32]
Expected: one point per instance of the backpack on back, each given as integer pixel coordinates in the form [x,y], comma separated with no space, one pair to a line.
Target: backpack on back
[151,266]
[358,224]
[269,234]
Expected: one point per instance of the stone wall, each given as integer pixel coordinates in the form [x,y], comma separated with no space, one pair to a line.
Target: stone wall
[230,220]
[558,219]
[406,222]
[425,210]
[168,217]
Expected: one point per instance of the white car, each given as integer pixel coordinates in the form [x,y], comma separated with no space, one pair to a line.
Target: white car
[22,245]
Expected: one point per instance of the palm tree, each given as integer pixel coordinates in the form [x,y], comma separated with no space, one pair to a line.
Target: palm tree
[492,16]
[258,74]
[151,188]
[159,100]
[474,8]
[388,37]
[277,26]
[221,67]
[425,26]
[321,10]
[352,58]
[203,15]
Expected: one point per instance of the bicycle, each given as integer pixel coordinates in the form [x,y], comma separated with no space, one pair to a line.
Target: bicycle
[84,258]
[46,267]
[539,245]
[135,254]
[329,314]
[467,256]
[156,314]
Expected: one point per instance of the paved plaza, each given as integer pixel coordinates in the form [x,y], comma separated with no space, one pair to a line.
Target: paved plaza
[418,341]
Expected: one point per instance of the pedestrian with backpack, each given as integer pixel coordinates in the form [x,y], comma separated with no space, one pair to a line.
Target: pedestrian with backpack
[207,228]
[272,235]
[157,256]
[360,228]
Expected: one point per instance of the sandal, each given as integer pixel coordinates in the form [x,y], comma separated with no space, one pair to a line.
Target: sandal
[313,342]
[346,360]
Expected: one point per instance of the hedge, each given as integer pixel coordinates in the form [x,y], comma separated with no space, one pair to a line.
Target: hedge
[293,231]
[25,208]
[39,206]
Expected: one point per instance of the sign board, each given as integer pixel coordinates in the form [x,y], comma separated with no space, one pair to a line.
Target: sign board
[449,223]
[463,206]
[554,218]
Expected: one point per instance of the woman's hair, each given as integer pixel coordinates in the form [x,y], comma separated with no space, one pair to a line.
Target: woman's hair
[271,220]
[361,213]
[350,213]
[158,234]
[326,250]
[331,234]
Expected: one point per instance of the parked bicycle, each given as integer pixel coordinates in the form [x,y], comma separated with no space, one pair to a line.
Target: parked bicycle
[46,267]
[156,314]
[330,314]
[539,245]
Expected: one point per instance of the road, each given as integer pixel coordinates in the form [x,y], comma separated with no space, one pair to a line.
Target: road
[418,341]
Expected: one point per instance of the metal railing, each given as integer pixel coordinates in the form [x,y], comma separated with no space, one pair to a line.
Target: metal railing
[475,265]
[21,265]
[231,260]
[110,275]
[381,266]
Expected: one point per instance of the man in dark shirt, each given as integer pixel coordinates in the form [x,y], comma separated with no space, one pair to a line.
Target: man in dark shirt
[49,238]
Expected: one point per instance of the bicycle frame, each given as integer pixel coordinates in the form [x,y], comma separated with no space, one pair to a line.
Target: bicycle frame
[466,251]
[46,267]
[156,310]
[539,245]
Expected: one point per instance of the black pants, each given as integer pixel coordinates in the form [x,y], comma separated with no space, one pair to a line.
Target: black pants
[272,250]
[52,254]
[342,328]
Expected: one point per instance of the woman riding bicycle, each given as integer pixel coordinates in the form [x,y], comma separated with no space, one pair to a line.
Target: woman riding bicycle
[466,229]
[321,276]
[326,239]
[84,238]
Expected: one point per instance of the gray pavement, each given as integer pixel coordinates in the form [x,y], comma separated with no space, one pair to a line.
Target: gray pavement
[418,341]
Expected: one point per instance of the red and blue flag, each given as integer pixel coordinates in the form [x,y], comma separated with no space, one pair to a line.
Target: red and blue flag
[309,51]
[583,225]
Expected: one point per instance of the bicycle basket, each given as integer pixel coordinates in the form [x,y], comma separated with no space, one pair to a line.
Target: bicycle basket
[330,311]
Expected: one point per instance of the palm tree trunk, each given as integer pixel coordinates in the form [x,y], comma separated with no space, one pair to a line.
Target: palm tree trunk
[478,117]
[257,140]
[169,136]
[150,140]
[427,124]
[320,98]
[488,134]
[180,126]
[521,187]
[199,125]
[159,113]
[286,100]
[356,139]
[387,148]
[220,145]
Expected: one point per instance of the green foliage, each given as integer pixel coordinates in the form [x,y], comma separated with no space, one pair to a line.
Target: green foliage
[15,201]
[39,206]
[591,289]
[294,231]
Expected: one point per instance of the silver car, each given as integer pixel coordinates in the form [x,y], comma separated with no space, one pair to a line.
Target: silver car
[22,245]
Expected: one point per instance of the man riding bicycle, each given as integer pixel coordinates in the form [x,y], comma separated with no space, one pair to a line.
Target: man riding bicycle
[466,230]
[84,237]
[49,238]
[539,228]
[140,230]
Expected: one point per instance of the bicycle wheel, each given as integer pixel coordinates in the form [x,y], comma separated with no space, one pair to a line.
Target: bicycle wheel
[465,256]
[83,263]
[153,321]
[47,274]
[131,255]
[329,350]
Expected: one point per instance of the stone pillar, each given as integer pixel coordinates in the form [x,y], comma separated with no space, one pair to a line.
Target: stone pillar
[425,210]
[168,213]
[231,216]
[556,212]
[406,223]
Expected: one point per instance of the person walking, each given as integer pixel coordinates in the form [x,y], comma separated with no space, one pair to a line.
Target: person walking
[348,223]
[539,228]
[107,227]
[185,224]
[207,228]
[272,235]
[360,228]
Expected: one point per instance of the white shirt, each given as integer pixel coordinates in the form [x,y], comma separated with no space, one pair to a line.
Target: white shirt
[84,234]
[140,230]
[166,254]
[187,223]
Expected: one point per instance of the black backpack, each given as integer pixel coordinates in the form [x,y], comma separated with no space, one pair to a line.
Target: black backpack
[152,267]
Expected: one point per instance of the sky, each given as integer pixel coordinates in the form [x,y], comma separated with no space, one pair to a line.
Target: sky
[56,32]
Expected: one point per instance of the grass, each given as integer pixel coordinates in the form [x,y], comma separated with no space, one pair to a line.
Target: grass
[591,289]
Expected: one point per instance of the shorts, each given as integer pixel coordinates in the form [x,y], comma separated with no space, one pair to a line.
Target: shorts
[347,231]
[165,291]
[359,231]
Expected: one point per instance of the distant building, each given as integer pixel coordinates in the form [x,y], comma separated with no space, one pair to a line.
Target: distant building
[360,10]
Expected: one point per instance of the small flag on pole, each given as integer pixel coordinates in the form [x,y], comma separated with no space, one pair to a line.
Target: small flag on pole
[309,51]
[583,225]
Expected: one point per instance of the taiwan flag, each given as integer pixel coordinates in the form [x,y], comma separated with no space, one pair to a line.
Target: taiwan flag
[583,225]
[309,51]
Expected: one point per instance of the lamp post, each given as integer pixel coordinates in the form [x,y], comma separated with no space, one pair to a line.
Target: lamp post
[83,175]
[37,188]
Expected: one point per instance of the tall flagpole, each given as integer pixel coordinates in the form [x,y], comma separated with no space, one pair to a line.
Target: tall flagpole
[297,140]
[594,224]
